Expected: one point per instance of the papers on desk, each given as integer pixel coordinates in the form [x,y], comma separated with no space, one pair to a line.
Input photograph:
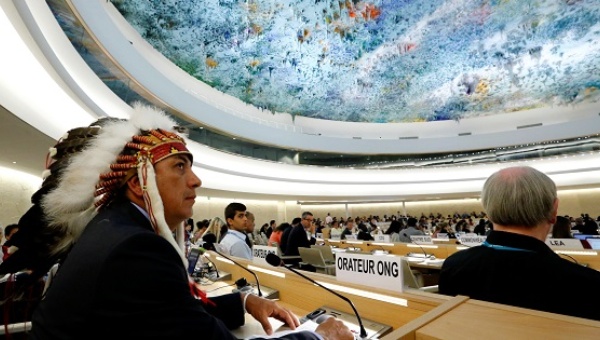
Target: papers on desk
[307,326]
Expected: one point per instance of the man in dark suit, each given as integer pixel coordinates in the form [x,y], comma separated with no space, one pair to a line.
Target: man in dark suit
[514,266]
[286,234]
[301,236]
[125,274]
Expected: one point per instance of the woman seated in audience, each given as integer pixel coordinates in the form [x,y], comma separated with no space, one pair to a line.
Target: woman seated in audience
[215,232]
[438,229]
[480,228]
[561,228]
[336,230]
[446,229]
[275,238]
[363,233]
[394,230]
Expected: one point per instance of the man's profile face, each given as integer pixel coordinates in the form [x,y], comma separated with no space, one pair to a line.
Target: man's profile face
[177,185]
[308,221]
[250,223]
[238,222]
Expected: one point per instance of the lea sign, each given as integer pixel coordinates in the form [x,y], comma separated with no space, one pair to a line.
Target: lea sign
[564,243]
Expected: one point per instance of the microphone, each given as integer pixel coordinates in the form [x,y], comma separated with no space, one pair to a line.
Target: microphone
[426,256]
[377,251]
[276,261]
[239,265]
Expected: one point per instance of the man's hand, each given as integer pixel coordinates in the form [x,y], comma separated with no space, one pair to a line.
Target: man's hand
[334,329]
[261,309]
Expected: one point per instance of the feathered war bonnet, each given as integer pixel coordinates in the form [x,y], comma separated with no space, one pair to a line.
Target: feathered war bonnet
[94,176]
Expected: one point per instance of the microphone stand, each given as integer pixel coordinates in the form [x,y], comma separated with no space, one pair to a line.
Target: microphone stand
[422,249]
[273,262]
[214,265]
[246,269]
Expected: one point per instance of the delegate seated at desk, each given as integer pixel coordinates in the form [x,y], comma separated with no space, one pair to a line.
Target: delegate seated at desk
[515,266]
[124,275]
[301,236]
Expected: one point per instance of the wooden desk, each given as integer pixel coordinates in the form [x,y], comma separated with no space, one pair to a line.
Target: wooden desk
[475,319]
[384,306]
[414,314]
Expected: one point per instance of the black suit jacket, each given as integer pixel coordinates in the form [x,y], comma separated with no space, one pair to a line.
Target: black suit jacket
[297,239]
[121,280]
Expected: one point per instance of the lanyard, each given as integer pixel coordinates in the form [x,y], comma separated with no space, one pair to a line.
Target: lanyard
[505,248]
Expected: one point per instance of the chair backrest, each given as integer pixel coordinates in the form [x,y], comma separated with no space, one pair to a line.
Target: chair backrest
[312,256]
[407,275]
[326,252]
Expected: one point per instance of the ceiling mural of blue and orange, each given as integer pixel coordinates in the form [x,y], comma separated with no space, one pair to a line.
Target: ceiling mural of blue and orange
[382,61]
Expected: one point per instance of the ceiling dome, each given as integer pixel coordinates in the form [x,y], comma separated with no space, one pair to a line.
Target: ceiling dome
[382,61]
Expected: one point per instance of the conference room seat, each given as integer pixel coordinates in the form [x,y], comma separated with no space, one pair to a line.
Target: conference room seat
[314,257]
[326,252]
[413,279]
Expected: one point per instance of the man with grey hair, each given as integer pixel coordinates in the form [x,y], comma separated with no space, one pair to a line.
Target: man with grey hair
[514,265]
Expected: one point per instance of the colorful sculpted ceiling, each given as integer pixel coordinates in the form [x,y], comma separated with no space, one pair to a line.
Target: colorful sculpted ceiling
[382,61]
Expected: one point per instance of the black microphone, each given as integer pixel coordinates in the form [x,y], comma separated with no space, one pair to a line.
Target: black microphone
[422,249]
[376,251]
[276,261]
[239,265]
[462,244]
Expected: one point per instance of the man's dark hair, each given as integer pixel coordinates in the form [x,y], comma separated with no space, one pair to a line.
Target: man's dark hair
[9,228]
[272,222]
[296,220]
[232,208]
[412,222]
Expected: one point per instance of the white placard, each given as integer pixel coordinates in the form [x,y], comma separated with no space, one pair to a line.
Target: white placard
[379,271]
[443,236]
[421,239]
[471,241]
[382,238]
[564,243]
[259,253]
[351,237]
[335,236]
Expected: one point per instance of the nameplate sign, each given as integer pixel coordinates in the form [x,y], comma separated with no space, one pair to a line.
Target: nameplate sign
[351,237]
[382,238]
[379,271]
[564,243]
[443,236]
[259,253]
[421,239]
[471,241]
[335,236]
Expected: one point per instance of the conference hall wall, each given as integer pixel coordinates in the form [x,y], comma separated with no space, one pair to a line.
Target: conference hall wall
[17,187]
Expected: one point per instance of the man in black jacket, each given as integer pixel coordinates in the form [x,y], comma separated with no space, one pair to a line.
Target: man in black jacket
[300,236]
[514,265]
[114,210]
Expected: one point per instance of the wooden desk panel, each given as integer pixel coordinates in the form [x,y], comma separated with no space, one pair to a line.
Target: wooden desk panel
[298,292]
[484,320]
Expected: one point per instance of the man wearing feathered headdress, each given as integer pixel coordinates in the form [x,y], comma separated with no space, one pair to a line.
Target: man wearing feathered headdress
[116,194]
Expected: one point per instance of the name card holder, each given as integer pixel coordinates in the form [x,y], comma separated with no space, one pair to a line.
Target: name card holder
[259,253]
[471,241]
[380,271]
[564,243]
[421,239]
